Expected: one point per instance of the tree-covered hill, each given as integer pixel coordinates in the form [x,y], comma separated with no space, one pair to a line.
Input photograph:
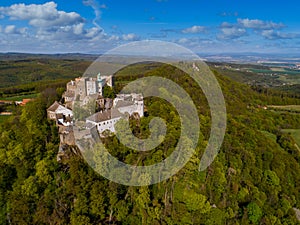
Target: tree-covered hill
[253,180]
[18,72]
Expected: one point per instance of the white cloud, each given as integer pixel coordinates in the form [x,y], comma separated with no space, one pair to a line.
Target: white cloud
[183,41]
[92,32]
[45,15]
[78,28]
[48,23]
[227,25]
[114,38]
[275,35]
[259,24]
[130,37]
[103,6]
[266,29]
[198,44]
[194,41]
[52,30]
[96,7]
[23,30]
[232,33]
[194,30]
[10,29]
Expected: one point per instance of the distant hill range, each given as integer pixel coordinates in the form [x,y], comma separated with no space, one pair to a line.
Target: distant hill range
[246,57]
[28,56]
[249,57]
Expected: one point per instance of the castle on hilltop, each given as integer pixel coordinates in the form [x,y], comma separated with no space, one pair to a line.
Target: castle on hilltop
[105,112]
[86,86]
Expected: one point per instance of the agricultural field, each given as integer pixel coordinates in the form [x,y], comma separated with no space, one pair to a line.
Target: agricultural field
[20,97]
[277,70]
[259,75]
[288,108]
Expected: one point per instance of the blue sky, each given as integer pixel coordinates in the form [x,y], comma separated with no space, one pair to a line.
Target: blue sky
[90,26]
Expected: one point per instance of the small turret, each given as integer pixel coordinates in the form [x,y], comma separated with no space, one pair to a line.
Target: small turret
[99,79]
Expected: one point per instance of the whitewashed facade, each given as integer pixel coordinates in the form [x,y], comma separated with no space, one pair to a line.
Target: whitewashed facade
[104,120]
[130,103]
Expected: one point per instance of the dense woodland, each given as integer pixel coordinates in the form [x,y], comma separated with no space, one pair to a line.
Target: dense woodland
[253,180]
[31,76]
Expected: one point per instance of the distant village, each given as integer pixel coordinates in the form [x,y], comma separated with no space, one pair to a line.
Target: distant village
[106,112]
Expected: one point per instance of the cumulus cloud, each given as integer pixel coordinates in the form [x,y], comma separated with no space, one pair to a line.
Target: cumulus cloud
[194,30]
[227,25]
[267,29]
[275,35]
[10,29]
[190,30]
[183,40]
[44,15]
[194,41]
[259,24]
[50,23]
[50,28]
[130,37]
[232,33]
[78,28]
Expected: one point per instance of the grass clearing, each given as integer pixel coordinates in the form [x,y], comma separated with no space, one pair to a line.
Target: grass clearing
[295,133]
[271,137]
[4,118]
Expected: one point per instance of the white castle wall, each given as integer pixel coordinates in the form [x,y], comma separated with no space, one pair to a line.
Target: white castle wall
[105,125]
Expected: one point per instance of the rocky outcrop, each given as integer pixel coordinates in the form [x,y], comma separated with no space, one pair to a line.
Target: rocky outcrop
[297,212]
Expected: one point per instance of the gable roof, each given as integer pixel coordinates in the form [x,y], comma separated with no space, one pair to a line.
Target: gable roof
[121,104]
[104,116]
[26,100]
[53,107]
[65,111]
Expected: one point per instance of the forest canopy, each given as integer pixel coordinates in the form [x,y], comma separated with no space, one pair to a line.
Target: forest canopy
[253,180]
